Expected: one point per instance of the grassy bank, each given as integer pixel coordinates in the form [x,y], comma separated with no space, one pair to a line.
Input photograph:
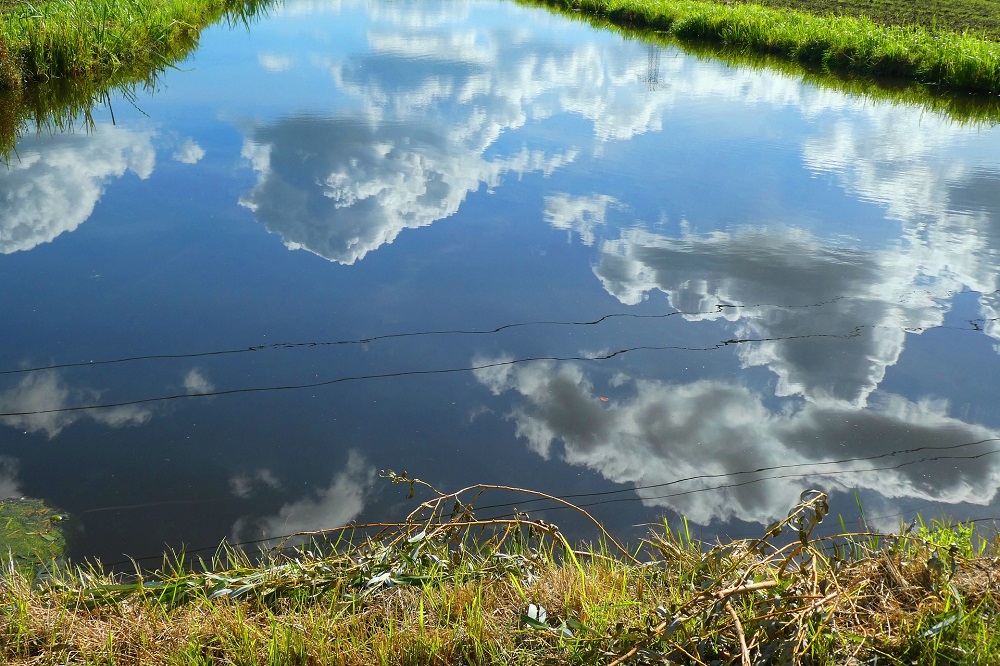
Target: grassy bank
[61,58]
[445,588]
[849,41]
[102,39]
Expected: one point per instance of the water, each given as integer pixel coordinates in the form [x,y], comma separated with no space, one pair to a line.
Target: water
[483,243]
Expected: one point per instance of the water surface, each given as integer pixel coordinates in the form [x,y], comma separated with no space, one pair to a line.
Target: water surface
[483,243]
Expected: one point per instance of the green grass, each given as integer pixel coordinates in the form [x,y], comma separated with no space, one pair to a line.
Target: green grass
[852,44]
[102,39]
[443,587]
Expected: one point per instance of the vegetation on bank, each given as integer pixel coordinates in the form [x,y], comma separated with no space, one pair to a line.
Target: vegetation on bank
[444,587]
[855,44]
[102,39]
[61,58]
[951,43]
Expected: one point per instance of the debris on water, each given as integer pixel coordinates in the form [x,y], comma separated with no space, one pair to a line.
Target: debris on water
[31,531]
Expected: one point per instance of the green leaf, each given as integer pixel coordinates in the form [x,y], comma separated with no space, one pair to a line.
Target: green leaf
[383,577]
[533,623]
[951,619]
[578,626]
[241,592]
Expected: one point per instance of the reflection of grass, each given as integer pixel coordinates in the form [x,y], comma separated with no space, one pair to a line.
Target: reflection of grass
[445,588]
[59,105]
[855,44]
[29,531]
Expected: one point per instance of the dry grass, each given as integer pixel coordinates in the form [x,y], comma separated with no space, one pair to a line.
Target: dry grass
[444,588]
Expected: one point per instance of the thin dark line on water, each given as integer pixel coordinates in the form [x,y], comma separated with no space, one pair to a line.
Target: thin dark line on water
[149,505]
[975,325]
[412,373]
[719,307]
[335,343]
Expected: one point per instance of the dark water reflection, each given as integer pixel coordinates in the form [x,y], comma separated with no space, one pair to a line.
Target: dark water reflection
[485,244]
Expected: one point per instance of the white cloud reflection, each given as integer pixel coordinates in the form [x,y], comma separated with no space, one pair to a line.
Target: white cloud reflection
[245,484]
[54,184]
[337,504]
[274,63]
[423,142]
[196,382]
[657,433]
[830,319]
[939,180]
[579,214]
[342,188]
[189,152]
[37,404]
[791,287]
[9,485]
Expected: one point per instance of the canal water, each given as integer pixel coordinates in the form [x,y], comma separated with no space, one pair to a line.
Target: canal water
[483,243]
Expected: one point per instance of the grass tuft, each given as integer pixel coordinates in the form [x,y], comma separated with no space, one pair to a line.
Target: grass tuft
[101,39]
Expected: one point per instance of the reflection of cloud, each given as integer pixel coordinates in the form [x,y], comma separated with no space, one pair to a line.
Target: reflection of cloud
[925,173]
[411,16]
[9,486]
[831,319]
[307,8]
[189,152]
[437,94]
[273,62]
[484,80]
[46,392]
[579,214]
[341,188]
[54,184]
[244,484]
[196,382]
[664,432]
[336,505]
